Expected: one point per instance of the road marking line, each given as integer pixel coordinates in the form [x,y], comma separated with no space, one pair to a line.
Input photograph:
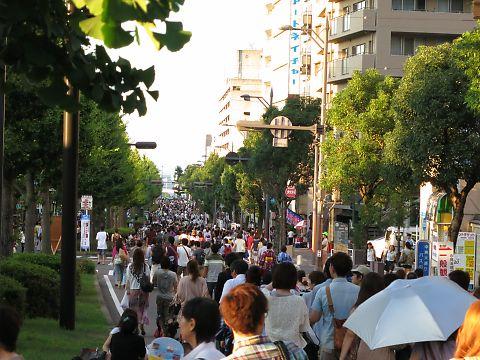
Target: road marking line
[113,295]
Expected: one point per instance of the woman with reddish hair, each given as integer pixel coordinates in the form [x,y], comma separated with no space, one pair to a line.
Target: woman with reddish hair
[243,310]
[468,340]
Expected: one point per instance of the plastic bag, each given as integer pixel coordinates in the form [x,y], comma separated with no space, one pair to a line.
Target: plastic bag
[124,302]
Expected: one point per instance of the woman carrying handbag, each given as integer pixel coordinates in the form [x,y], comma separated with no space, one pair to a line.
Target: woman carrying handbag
[138,287]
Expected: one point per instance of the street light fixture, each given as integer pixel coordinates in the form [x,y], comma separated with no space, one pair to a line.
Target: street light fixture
[144,145]
[264,102]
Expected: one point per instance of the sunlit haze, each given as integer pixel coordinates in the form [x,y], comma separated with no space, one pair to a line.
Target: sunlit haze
[191,81]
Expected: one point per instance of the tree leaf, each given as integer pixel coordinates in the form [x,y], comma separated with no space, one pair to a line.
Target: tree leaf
[175,37]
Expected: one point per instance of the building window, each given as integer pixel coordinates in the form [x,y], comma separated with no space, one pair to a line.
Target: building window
[404,45]
[409,5]
[358,49]
[359,5]
[346,18]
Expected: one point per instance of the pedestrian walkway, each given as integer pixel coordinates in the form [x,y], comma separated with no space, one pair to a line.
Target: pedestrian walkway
[113,296]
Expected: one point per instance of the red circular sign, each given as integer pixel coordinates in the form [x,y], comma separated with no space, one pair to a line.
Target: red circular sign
[291,192]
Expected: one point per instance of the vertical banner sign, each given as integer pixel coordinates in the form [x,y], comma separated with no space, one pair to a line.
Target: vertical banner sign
[445,260]
[85,232]
[295,58]
[464,257]
[423,257]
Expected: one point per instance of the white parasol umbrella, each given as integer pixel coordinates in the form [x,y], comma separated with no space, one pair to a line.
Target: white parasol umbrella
[410,311]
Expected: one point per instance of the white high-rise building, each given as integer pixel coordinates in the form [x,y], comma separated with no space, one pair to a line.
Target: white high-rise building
[287,53]
[232,107]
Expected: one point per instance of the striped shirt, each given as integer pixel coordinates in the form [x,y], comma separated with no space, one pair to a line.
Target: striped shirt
[215,266]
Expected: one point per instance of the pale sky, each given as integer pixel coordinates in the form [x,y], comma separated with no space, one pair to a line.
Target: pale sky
[192,80]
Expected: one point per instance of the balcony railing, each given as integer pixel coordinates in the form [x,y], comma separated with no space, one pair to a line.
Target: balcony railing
[342,69]
[353,23]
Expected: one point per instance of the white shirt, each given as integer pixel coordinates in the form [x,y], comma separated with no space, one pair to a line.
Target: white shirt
[205,351]
[291,234]
[262,250]
[370,255]
[391,255]
[230,284]
[101,240]
[287,318]
[184,255]
[239,245]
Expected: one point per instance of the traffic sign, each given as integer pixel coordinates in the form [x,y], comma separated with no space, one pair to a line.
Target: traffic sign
[280,137]
[86,203]
[291,192]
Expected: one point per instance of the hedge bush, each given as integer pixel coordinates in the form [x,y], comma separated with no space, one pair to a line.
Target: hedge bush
[42,284]
[13,294]
[85,266]
[50,261]
[47,260]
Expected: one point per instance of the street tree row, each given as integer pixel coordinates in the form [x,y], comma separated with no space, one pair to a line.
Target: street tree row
[115,175]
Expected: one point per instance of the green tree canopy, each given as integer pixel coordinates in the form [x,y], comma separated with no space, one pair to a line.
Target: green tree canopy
[355,154]
[276,167]
[47,43]
[436,134]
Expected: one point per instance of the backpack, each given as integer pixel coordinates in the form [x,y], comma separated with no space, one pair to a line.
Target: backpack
[144,281]
[339,330]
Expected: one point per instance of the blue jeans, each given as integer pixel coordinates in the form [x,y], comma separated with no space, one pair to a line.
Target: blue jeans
[118,273]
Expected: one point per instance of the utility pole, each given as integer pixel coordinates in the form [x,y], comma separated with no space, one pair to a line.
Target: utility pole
[319,220]
[69,208]
[3,80]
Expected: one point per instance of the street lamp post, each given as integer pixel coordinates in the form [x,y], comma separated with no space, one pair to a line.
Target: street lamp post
[317,218]
[267,106]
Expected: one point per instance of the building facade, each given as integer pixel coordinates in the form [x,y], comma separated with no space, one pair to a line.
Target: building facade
[247,80]
[363,34]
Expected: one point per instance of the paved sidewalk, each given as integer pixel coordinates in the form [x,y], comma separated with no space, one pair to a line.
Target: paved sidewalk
[113,296]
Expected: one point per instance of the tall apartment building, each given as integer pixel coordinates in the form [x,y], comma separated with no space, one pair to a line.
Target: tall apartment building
[287,53]
[379,34]
[382,34]
[247,80]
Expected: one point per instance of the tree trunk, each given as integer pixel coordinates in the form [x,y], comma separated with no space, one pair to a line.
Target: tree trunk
[261,216]
[8,203]
[282,226]
[458,201]
[30,208]
[46,216]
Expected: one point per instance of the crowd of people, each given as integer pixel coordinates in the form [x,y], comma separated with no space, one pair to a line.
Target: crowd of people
[228,294]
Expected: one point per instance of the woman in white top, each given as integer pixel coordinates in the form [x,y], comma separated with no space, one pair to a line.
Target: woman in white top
[287,316]
[390,258]
[370,253]
[137,298]
[199,323]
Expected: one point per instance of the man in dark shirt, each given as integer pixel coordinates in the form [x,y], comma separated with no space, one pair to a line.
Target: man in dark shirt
[224,275]
[172,254]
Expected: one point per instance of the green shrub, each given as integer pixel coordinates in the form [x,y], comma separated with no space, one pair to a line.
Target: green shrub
[50,261]
[47,260]
[42,284]
[12,293]
[85,266]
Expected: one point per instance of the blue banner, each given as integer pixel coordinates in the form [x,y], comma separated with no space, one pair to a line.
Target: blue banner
[423,257]
[293,218]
